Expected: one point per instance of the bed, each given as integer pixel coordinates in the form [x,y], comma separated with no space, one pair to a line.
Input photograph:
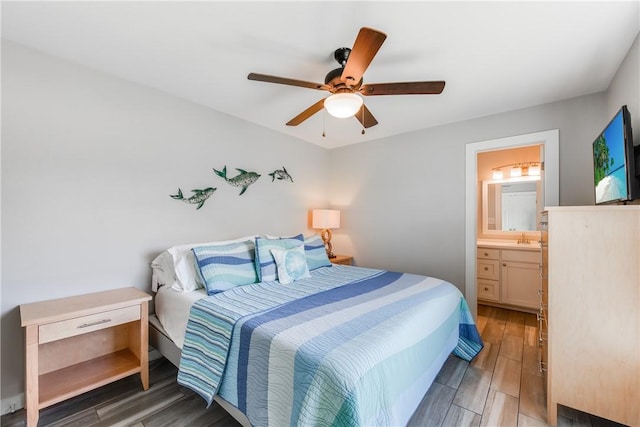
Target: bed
[343,345]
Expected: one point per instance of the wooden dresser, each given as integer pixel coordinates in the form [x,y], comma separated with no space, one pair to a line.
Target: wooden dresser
[79,343]
[594,311]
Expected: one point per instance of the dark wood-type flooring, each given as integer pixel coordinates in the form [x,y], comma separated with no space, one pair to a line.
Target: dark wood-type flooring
[501,387]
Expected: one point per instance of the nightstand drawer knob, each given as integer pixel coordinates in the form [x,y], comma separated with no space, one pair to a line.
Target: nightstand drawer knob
[99,322]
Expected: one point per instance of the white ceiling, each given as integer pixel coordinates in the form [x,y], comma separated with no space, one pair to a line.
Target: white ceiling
[494,56]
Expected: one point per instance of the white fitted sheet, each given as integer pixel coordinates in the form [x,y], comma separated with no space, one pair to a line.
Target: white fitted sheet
[172,310]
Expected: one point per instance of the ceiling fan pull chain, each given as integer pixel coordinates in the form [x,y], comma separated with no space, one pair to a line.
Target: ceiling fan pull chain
[324,115]
[362,121]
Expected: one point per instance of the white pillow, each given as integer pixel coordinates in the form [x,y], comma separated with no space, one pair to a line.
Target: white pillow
[162,271]
[291,264]
[178,265]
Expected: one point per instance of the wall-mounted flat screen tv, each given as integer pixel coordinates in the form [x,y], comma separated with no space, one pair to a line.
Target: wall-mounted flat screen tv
[613,162]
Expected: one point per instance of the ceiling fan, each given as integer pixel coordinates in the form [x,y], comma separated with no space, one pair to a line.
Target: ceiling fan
[345,82]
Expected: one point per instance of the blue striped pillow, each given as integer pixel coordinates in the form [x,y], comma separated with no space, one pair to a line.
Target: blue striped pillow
[315,252]
[226,266]
[265,264]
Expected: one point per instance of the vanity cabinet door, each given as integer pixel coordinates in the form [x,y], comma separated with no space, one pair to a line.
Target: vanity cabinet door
[520,283]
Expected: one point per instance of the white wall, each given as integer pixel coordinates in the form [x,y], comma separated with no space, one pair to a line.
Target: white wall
[88,164]
[625,89]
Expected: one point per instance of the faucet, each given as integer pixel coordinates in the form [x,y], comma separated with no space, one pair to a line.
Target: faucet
[523,239]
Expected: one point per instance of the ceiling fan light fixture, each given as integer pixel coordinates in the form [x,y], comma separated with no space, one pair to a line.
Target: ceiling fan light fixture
[343,105]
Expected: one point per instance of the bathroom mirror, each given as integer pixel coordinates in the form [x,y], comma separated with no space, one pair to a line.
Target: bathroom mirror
[510,205]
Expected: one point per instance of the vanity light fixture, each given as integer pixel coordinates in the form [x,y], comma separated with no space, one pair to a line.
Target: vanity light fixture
[517,170]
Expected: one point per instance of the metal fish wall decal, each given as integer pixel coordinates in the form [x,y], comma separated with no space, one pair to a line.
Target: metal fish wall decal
[280,174]
[244,179]
[198,198]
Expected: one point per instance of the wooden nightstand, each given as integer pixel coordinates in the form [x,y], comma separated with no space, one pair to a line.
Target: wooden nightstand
[342,259]
[80,343]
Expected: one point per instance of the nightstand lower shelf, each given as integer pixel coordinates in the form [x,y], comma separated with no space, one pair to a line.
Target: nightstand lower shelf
[64,383]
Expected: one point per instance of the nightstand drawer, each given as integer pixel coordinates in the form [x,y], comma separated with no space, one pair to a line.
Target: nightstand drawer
[82,325]
[341,259]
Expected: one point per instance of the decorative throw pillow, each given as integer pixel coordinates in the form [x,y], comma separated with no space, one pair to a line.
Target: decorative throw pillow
[180,263]
[226,266]
[291,264]
[265,264]
[315,252]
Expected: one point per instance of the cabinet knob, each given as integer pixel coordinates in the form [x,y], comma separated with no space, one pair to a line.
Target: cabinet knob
[486,268]
[504,264]
[486,289]
[486,254]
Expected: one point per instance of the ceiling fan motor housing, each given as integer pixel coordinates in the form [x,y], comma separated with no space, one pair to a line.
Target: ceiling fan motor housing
[334,77]
[341,55]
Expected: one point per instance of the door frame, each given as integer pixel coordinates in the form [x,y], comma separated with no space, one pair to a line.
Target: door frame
[550,140]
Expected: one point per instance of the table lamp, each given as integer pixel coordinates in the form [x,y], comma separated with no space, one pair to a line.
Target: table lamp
[326,219]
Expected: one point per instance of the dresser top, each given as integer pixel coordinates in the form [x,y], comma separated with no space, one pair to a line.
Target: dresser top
[627,208]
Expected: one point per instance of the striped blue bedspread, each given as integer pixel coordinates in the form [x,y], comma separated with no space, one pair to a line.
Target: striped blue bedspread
[339,348]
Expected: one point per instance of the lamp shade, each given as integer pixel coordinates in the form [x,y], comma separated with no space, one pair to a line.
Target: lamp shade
[325,218]
[343,105]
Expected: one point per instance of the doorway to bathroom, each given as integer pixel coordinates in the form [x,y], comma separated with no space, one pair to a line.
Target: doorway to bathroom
[549,141]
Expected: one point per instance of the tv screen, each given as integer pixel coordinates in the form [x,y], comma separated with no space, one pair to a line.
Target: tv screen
[614,175]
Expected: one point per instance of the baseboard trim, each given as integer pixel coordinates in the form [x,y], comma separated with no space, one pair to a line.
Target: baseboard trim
[12,404]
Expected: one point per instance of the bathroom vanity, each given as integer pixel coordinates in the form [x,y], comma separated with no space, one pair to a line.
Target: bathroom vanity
[508,273]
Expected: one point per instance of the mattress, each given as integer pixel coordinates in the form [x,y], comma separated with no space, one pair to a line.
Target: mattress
[172,310]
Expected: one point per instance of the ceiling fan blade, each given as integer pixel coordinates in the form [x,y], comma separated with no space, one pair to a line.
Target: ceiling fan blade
[364,49]
[365,117]
[286,81]
[406,88]
[306,113]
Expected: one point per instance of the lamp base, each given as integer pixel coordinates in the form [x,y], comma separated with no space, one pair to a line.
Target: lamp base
[326,239]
